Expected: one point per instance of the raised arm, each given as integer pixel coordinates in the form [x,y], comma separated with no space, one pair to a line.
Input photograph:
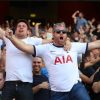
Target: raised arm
[93,45]
[37,29]
[75,13]
[74,16]
[20,44]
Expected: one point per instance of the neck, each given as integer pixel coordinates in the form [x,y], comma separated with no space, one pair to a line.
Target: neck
[37,73]
[21,37]
[58,45]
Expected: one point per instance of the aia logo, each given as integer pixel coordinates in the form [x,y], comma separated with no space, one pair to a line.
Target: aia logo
[63,59]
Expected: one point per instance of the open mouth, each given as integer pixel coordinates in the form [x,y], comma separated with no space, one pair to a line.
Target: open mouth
[61,38]
[20,30]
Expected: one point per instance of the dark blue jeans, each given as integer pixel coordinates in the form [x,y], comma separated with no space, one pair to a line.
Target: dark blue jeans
[18,90]
[78,92]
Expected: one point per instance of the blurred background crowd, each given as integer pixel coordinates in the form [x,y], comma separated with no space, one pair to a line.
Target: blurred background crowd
[83,25]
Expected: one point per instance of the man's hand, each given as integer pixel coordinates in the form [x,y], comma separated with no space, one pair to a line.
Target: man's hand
[9,33]
[37,24]
[77,11]
[67,45]
[96,87]
[44,85]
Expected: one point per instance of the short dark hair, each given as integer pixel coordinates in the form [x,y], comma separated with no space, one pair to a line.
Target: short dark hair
[25,21]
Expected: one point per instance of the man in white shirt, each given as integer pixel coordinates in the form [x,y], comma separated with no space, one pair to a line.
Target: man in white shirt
[19,65]
[61,65]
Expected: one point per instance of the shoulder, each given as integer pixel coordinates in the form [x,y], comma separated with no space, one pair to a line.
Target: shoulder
[75,44]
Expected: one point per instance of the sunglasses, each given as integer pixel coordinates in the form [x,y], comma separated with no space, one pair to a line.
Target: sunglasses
[60,31]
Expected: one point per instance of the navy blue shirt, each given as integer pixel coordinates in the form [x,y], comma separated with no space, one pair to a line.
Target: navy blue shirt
[43,94]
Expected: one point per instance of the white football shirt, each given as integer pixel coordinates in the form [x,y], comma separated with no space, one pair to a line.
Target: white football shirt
[19,64]
[61,65]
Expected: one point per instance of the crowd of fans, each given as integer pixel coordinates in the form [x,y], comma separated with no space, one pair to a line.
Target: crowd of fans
[82,30]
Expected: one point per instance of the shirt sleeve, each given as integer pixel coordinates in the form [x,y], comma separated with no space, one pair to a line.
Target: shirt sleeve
[80,48]
[6,41]
[40,50]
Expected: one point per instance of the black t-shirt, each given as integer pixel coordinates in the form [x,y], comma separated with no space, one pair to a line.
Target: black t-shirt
[97,77]
[88,71]
[43,94]
[96,65]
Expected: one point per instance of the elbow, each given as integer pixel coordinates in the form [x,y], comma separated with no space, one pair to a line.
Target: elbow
[73,16]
